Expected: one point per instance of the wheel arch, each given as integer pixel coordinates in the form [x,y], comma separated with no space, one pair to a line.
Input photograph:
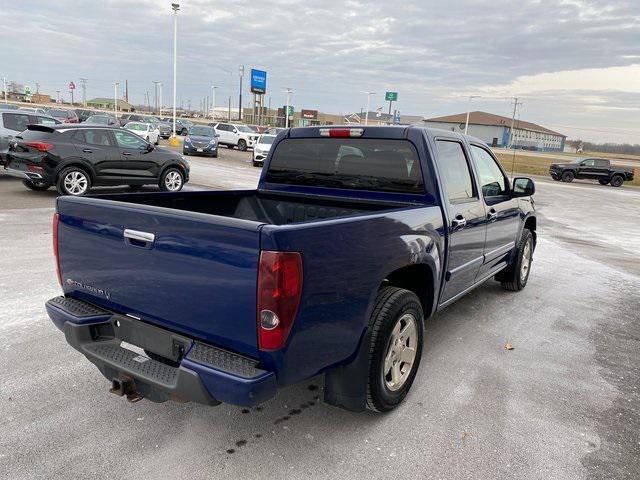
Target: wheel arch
[76,162]
[418,278]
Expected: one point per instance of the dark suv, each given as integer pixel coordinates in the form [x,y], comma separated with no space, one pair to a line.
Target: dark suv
[76,157]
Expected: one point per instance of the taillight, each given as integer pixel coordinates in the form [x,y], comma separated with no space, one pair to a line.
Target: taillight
[56,220]
[40,146]
[341,132]
[279,290]
[35,168]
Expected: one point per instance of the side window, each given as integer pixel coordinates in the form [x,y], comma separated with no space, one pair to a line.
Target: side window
[78,137]
[454,168]
[46,121]
[492,179]
[602,163]
[97,137]
[128,140]
[15,121]
[224,127]
[588,163]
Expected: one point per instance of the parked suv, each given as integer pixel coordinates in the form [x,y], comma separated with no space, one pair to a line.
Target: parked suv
[65,116]
[234,135]
[75,158]
[14,121]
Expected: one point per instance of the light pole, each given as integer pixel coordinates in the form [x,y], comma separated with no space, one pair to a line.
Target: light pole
[4,81]
[366,115]
[83,81]
[160,99]
[155,96]
[286,110]
[175,7]
[213,102]
[466,123]
[115,97]
[241,71]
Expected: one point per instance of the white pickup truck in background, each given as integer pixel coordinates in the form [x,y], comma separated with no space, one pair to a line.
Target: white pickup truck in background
[235,135]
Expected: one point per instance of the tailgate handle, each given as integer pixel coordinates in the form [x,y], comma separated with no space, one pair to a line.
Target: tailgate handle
[139,239]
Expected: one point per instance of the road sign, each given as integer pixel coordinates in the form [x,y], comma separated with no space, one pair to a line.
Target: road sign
[310,114]
[391,96]
[72,86]
[258,81]
[27,90]
[396,117]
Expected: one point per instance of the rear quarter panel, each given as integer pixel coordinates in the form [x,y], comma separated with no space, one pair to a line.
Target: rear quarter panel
[345,260]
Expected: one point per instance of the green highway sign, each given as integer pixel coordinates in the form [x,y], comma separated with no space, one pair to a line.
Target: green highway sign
[391,96]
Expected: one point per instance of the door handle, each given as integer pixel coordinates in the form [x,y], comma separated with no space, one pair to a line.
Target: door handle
[459,222]
[87,150]
[139,239]
[127,153]
[492,216]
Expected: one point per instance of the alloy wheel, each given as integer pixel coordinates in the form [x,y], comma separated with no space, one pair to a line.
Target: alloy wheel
[401,352]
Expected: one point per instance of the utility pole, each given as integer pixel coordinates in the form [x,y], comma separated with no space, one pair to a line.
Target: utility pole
[286,110]
[83,82]
[4,82]
[160,99]
[240,97]
[175,7]
[5,93]
[155,96]
[366,115]
[513,118]
[466,124]
[37,88]
[115,97]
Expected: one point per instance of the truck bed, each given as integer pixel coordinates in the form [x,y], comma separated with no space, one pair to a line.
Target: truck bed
[262,207]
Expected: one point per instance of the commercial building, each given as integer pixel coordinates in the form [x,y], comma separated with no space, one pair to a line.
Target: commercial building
[107,104]
[495,130]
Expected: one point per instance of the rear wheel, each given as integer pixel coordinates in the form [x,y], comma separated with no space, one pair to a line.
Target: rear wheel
[603,182]
[242,145]
[556,178]
[616,181]
[73,181]
[396,347]
[36,186]
[172,180]
[568,176]
[183,131]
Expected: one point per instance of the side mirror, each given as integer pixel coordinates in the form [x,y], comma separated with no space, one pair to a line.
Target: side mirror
[523,187]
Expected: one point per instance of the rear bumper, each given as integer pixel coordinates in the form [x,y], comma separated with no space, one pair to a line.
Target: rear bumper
[202,373]
[24,174]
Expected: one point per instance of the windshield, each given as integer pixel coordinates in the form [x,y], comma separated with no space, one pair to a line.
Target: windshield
[267,139]
[59,113]
[135,126]
[98,119]
[360,164]
[151,120]
[202,131]
[244,128]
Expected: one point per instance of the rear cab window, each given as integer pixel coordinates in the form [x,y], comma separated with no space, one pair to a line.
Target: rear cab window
[350,163]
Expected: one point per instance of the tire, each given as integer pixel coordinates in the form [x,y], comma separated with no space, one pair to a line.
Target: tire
[256,164]
[556,178]
[515,277]
[394,311]
[183,131]
[215,154]
[73,181]
[603,182]
[242,145]
[568,176]
[36,186]
[617,181]
[171,180]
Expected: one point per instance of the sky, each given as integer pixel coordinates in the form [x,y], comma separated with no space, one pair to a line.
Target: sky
[574,64]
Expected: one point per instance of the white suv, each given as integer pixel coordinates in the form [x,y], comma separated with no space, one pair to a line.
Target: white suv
[235,135]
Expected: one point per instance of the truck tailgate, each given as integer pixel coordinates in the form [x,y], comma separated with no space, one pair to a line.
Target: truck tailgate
[197,276]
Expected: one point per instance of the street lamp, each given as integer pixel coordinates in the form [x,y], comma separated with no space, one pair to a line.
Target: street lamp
[160,100]
[466,124]
[115,97]
[366,115]
[286,110]
[175,7]
[213,102]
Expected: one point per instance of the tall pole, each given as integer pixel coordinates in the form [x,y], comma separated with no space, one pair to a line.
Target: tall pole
[115,97]
[175,7]
[286,110]
[213,102]
[160,99]
[83,82]
[155,96]
[240,96]
[5,93]
[366,115]
[513,117]
[466,123]
[4,81]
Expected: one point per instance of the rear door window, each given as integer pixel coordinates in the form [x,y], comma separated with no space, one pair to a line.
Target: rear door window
[15,121]
[360,164]
[455,172]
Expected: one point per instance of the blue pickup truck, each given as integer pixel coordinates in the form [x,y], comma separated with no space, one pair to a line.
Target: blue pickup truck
[352,239]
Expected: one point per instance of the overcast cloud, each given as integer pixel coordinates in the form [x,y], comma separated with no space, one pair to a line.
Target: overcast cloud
[574,63]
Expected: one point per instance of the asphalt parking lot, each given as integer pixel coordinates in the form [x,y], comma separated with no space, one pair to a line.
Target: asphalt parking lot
[563,404]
